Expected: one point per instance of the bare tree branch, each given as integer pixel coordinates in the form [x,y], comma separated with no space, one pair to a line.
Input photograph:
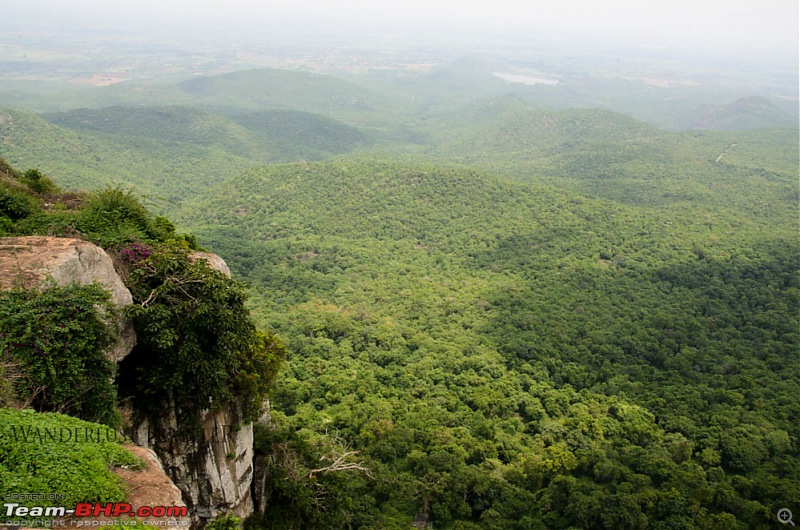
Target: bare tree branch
[339,457]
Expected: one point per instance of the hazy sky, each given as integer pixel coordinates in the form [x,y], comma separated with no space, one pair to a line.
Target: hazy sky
[740,26]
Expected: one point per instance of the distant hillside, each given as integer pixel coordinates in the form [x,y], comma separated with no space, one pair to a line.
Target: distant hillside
[456,83]
[610,155]
[399,94]
[743,114]
[296,134]
[263,89]
[257,90]
[173,123]
[506,125]
[170,152]
[510,136]
[350,198]
[277,136]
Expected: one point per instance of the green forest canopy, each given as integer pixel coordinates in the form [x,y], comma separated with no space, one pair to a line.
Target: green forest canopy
[515,356]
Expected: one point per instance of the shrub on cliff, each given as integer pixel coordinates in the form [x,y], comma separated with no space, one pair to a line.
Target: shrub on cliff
[56,338]
[196,341]
[114,215]
[30,204]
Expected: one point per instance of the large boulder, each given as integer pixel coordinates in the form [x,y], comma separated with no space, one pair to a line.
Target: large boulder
[31,261]
[214,261]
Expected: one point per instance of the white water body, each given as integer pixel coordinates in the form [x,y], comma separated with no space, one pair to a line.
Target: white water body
[526,79]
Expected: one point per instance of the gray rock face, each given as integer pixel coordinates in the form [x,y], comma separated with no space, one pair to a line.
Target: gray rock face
[262,485]
[29,261]
[213,467]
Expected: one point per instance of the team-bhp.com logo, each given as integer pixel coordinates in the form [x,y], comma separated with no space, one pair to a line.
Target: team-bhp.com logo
[118,509]
[89,509]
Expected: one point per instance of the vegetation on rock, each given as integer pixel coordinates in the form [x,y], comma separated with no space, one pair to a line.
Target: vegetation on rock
[197,345]
[196,341]
[56,340]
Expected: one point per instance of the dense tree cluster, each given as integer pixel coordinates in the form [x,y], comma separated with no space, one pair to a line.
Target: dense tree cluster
[192,325]
[514,356]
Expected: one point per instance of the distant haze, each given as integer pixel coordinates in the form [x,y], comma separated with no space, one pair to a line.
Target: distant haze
[750,28]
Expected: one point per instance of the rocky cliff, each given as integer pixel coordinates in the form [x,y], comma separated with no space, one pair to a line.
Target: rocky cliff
[213,465]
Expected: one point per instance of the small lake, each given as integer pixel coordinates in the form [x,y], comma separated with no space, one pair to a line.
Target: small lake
[526,79]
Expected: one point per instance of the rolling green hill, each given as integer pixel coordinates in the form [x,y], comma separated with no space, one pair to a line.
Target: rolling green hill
[609,155]
[504,127]
[743,114]
[171,170]
[278,135]
[175,124]
[495,349]
[168,152]
[296,134]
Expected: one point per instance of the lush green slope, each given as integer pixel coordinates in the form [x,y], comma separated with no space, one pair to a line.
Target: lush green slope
[175,124]
[514,356]
[506,127]
[293,135]
[84,160]
[269,135]
[609,155]
[168,152]
[62,455]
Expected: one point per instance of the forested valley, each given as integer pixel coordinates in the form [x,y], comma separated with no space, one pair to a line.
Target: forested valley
[501,309]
